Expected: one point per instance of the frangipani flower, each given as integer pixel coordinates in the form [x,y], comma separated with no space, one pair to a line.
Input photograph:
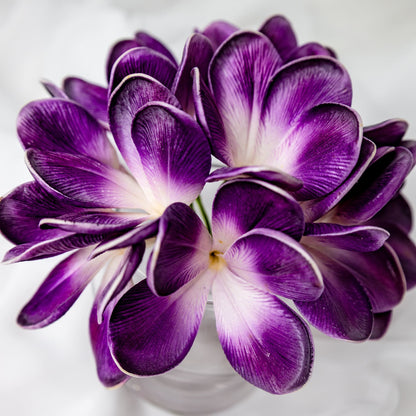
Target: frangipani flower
[84,196]
[290,125]
[251,257]
[376,274]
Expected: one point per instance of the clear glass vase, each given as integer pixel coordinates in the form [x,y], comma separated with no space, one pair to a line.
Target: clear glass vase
[203,383]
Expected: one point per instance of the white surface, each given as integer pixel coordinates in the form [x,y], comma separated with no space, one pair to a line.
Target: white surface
[51,371]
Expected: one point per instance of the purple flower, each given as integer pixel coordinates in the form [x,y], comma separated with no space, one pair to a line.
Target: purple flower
[85,199]
[287,124]
[252,256]
[365,207]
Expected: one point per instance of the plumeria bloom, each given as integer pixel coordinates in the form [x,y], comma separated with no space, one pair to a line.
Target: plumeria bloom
[279,30]
[377,275]
[84,197]
[287,124]
[252,256]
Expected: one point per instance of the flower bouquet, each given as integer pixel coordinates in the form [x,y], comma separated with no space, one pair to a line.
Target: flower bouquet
[307,227]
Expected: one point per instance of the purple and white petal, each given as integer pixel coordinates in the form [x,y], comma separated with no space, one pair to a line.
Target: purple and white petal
[116,51]
[208,117]
[108,372]
[144,39]
[279,30]
[301,85]
[275,263]
[217,32]
[265,173]
[387,133]
[94,222]
[242,205]
[126,100]
[58,245]
[361,238]
[198,52]
[145,61]
[181,251]
[23,208]
[85,181]
[263,339]
[239,74]
[145,230]
[59,125]
[321,149]
[174,154]
[343,310]
[60,289]
[151,334]
[316,208]
[377,186]
[91,96]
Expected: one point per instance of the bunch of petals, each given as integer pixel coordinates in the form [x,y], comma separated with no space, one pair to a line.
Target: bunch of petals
[308,215]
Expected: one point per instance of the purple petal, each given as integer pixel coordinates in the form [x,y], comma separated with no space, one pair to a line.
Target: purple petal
[310,49]
[118,277]
[151,334]
[62,126]
[84,181]
[377,186]
[379,272]
[411,146]
[279,30]
[405,250]
[361,238]
[52,247]
[343,310]
[60,290]
[381,324]
[243,205]
[91,96]
[239,74]
[321,150]
[144,39]
[181,251]
[53,89]
[264,340]
[396,212]
[197,53]
[94,222]
[301,85]
[107,370]
[274,177]
[145,230]
[275,263]
[174,154]
[23,208]
[142,60]
[126,100]
[316,208]
[117,50]
[387,133]
[208,117]
[217,32]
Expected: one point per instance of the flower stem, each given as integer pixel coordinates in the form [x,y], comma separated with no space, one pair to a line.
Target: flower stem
[203,213]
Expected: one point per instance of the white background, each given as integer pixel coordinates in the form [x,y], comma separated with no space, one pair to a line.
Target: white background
[51,371]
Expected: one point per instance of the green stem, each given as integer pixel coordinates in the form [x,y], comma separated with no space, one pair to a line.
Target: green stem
[203,213]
